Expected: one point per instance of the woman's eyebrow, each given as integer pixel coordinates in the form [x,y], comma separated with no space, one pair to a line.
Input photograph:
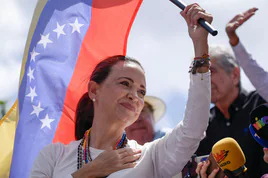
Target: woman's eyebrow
[126,78]
[142,86]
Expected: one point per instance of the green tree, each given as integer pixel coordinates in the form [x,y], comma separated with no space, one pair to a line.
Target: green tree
[3,108]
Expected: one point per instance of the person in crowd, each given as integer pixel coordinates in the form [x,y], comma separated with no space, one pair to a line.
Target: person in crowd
[229,117]
[256,74]
[258,129]
[142,130]
[114,100]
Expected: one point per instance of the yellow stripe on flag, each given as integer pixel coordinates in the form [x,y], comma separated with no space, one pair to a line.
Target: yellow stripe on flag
[9,122]
[7,132]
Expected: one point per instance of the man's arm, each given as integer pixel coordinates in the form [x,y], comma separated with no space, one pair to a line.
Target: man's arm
[256,74]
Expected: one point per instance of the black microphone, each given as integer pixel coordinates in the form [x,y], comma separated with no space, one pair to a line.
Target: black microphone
[259,124]
[201,21]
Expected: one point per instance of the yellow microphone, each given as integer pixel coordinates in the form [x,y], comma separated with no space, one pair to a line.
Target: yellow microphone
[229,156]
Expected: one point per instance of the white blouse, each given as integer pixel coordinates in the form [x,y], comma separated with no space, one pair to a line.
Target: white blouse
[163,157]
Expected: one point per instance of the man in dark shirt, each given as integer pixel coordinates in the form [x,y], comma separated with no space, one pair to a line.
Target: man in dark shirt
[230,115]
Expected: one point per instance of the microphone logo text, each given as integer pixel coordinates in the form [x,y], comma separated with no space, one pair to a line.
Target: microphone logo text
[260,122]
[220,157]
[225,163]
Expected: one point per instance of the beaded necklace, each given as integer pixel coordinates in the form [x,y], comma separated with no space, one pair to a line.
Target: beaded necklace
[83,152]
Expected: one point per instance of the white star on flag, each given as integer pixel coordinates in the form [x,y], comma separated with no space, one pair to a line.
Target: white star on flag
[76,26]
[45,40]
[37,109]
[32,93]
[46,122]
[33,55]
[30,74]
[59,30]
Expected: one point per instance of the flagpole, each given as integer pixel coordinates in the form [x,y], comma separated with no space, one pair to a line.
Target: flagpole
[201,21]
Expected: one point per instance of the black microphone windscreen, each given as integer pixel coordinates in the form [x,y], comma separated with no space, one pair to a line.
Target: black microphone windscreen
[259,124]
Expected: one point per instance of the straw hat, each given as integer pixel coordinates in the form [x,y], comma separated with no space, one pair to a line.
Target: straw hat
[158,105]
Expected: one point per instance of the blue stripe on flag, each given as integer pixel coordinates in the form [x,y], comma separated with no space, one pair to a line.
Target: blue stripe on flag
[52,57]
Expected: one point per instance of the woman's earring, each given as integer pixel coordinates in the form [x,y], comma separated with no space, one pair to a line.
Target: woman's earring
[93,99]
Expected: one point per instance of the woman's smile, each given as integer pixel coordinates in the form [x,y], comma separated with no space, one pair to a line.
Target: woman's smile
[128,106]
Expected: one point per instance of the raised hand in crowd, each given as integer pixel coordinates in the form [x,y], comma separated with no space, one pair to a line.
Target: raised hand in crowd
[236,22]
[257,75]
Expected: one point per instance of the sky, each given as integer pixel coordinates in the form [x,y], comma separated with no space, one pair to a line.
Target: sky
[158,39]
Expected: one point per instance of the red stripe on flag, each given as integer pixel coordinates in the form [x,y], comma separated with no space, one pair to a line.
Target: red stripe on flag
[107,35]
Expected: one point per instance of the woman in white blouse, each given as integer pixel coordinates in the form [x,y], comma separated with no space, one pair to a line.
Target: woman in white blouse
[114,101]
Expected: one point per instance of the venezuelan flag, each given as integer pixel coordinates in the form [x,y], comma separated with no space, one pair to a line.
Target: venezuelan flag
[66,40]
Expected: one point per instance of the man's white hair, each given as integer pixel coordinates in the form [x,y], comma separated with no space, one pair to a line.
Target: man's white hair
[224,56]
